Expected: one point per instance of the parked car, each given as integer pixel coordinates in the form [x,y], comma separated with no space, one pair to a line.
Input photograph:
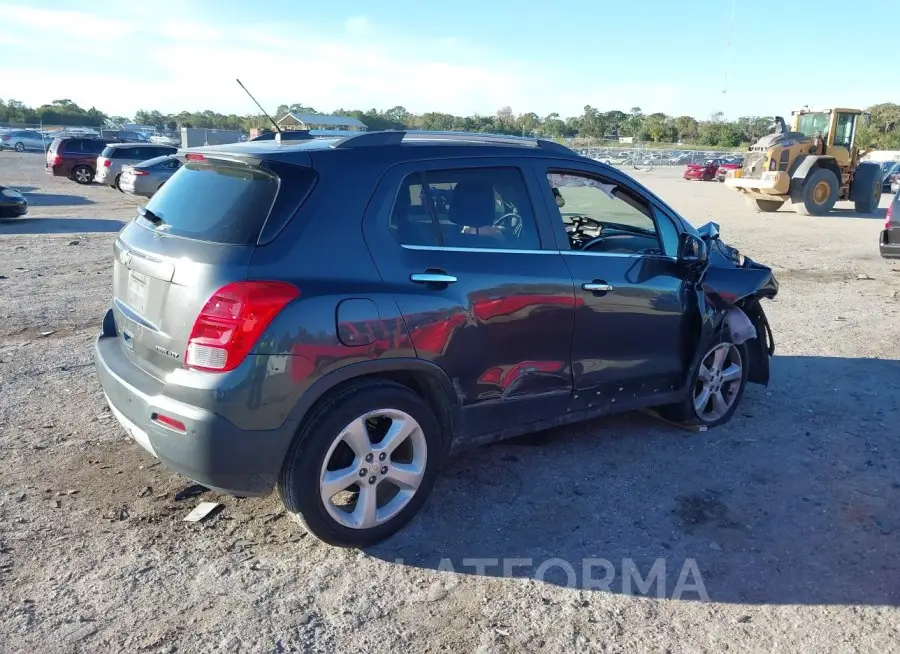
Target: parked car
[128,135]
[725,166]
[74,157]
[305,317]
[890,171]
[117,155]
[12,203]
[889,241]
[21,140]
[145,178]
[705,171]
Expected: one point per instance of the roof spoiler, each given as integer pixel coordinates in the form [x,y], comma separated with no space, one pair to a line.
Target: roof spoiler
[397,137]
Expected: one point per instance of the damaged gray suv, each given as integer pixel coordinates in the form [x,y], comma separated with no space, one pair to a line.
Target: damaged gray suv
[332,318]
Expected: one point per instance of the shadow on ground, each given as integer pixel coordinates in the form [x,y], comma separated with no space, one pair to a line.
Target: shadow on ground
[25,225]
[794,501]
[878,214]
[56,200]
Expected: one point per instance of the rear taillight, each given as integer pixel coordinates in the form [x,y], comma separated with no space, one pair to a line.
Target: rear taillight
[5,137]
[231,322]
[889,216]
[56,161]
[106,162]
[138,173]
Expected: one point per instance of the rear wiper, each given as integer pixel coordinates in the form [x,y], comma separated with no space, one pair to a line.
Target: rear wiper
[149,215]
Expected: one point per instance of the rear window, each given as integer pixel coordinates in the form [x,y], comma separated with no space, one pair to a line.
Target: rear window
[215,201]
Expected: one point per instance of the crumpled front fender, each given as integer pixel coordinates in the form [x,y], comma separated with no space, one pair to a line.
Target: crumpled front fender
[729,283]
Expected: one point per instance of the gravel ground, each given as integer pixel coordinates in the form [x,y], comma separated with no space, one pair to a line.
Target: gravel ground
[787,516]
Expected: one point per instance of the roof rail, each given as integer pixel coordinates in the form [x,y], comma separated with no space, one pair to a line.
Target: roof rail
[386,137]
[395,137]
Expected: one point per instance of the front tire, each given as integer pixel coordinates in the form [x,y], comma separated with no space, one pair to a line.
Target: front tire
[362,465]
[817,194]
[716,386]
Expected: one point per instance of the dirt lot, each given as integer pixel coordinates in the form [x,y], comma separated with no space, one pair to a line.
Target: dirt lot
[789,512]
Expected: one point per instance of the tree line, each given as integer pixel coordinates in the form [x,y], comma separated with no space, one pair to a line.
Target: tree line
[715,131]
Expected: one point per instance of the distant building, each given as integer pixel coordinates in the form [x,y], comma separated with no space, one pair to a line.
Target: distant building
[320,123]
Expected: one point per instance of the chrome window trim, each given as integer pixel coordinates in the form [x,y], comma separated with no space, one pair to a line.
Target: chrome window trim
[439,248]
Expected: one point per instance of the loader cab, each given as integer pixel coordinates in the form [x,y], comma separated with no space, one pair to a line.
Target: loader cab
[833,132]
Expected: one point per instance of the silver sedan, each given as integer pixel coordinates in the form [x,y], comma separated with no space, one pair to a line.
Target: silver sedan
[23,139]
[145,178]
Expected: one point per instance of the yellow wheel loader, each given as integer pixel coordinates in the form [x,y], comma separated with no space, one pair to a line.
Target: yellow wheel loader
[812,166]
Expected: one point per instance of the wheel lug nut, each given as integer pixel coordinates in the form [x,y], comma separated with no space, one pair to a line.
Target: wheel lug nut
[363,472]
[372,480]
[382,456]
[384,470]
[369,457]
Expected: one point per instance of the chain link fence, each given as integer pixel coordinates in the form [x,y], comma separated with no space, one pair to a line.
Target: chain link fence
[655,154]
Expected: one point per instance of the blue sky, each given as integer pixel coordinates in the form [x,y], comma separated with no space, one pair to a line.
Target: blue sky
[459,57]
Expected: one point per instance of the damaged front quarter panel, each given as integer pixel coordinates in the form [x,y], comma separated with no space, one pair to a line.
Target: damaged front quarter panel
[728,293]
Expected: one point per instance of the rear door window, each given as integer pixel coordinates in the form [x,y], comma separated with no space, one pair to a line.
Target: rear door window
[122,153]
[93,146]
[221,202]
[467,208]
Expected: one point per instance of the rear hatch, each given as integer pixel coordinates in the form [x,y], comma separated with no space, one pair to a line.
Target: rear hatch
[194,236]
[52,151]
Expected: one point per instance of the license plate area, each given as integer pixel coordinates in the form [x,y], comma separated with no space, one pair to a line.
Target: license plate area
[137,291]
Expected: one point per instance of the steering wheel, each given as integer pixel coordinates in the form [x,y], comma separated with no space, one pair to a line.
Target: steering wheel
[506,221]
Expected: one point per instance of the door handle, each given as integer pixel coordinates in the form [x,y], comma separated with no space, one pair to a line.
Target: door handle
[597,287]
[432,278]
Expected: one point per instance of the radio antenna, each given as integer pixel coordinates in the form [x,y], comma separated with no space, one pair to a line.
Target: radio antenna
[274,124]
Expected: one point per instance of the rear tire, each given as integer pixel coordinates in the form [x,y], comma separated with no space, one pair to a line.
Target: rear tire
[765,206]
[694,410]
[83,174]
[865,191]
[20,147]
[116,184]
[322,445]
[817,194]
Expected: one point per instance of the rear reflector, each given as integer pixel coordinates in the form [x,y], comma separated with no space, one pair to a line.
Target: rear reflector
[171,423]
[231,322]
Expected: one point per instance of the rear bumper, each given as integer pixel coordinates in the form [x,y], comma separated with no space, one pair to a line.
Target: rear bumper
[889,248]
[133,187]
[13,210]
[213,451]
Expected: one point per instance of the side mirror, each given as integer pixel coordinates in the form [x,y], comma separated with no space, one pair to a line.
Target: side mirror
[692,249]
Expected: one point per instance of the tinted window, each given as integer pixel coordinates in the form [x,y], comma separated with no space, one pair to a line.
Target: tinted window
[93,146]
[217,201]
[164,161]
[121,153]
[602,216]
[471,208]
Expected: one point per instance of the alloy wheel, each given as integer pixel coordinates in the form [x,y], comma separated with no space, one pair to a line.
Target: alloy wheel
[718,382]
[373,468]
[82,175]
